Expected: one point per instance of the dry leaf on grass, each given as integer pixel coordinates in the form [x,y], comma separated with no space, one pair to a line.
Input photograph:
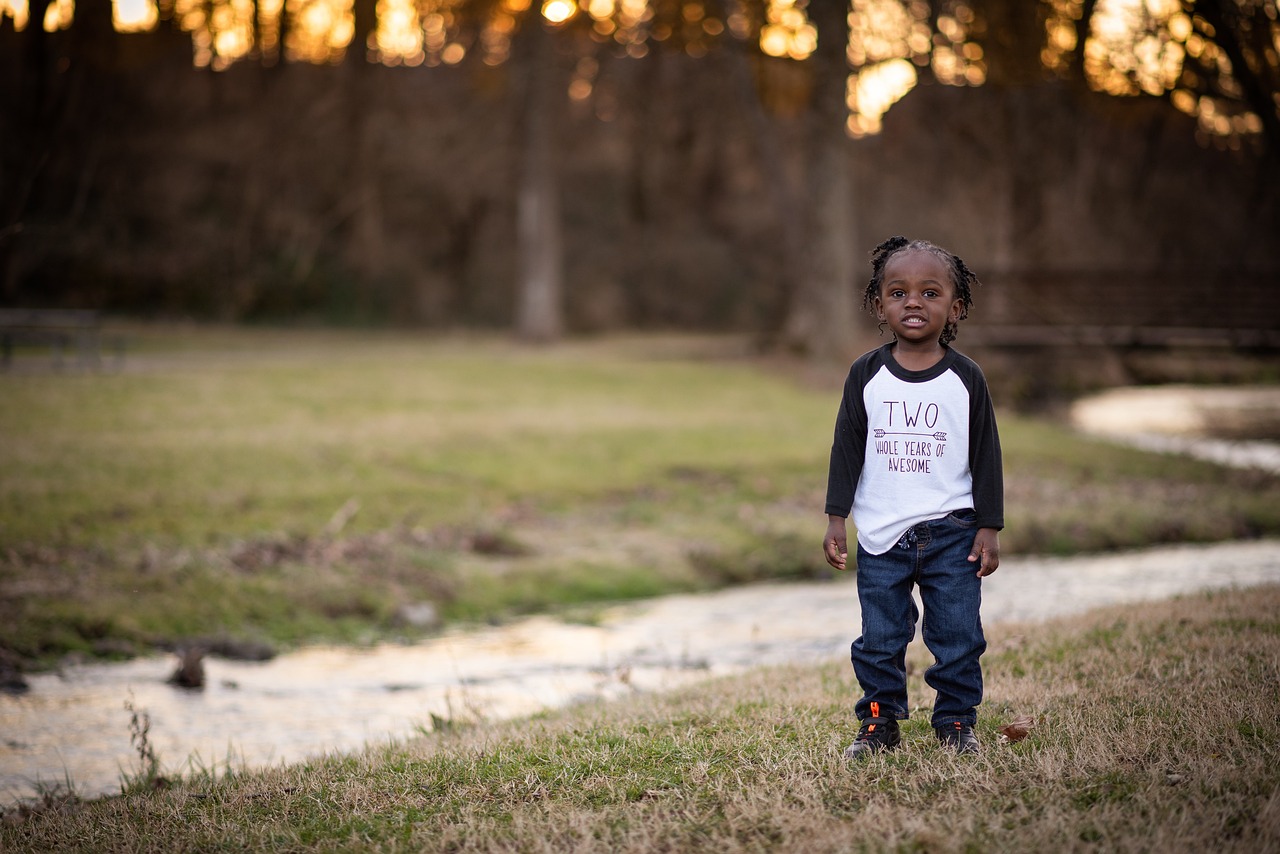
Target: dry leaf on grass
[1017,730]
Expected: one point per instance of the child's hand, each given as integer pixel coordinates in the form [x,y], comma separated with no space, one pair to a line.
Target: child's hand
[835,545]
[986,548]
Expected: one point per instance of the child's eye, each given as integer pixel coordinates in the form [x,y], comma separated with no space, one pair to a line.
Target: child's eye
[897,293]
[931,294]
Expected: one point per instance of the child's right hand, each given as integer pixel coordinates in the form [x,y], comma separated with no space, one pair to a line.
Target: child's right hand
[835,545]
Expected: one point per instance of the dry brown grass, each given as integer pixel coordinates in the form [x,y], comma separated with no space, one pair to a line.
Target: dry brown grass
[1156,730]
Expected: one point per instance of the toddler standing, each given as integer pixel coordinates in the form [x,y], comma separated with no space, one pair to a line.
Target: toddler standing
[916,458]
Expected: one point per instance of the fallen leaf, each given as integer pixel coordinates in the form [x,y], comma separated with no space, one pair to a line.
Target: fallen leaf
[1017,730]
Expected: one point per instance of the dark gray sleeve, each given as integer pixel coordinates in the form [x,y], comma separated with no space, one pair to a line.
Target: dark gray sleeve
[985,460]
[848,447]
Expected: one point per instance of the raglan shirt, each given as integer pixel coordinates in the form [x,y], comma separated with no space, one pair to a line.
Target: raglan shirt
[911,446]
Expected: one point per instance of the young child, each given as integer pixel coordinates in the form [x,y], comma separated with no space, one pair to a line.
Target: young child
[916,456]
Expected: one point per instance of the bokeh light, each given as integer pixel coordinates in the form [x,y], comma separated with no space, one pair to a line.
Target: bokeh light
[559,11]
[399,36]
[787,31]
[322,30]
[889,40]
[59,15]
[1155,48]
[132,16]
[1133,47]
[873,90]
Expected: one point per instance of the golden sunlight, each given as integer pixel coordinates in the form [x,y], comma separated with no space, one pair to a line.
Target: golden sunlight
[59,15]
[399,35]
[888,39]
[559,11]
[495,37]
[132,16]
[1133,47]
[873,89]
[17,10]
[323,32]
[787,31]
[624,21]
[220,34]
[1138,47]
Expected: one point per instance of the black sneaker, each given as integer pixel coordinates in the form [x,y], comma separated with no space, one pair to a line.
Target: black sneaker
[959,737]
[877,733]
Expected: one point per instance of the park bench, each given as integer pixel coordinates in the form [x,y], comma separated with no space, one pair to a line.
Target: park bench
[62,330]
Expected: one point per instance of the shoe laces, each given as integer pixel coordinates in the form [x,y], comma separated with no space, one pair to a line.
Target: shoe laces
[873,726]
[874,729]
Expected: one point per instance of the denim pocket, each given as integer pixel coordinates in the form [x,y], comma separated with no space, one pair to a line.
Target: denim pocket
[966,518]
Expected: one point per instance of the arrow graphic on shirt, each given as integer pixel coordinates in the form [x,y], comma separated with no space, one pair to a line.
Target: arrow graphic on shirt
[940,436]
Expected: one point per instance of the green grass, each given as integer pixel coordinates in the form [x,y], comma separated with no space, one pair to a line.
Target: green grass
[1154,730]
[290,486]
[198,450]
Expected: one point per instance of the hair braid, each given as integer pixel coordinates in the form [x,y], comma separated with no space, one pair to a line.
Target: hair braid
[962,278]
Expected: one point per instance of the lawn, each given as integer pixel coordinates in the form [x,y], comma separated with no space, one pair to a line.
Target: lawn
[290,486]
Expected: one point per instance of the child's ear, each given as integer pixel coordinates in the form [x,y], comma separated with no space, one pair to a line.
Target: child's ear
[878,305]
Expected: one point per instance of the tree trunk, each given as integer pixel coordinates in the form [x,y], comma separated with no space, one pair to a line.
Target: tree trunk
[822,317]
[1084,26]
[781,190]
[57,112]
[539,308]
[1012,50]
[367,247]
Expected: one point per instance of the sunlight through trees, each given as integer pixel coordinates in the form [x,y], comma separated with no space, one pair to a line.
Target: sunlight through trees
[728,148]
[1163,48]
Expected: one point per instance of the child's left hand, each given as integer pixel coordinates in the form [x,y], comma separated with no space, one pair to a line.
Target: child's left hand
[986,549]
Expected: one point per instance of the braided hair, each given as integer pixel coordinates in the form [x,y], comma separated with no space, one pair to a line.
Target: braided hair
[962,278]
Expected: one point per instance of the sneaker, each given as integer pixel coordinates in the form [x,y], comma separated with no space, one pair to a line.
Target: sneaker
[877,733]
[959,737]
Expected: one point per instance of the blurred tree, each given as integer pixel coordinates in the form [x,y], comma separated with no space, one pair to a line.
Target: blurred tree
[59,93]
[540,266]
[803,75]
[823,310]
[1215,60]
[1248,34]
[367,245]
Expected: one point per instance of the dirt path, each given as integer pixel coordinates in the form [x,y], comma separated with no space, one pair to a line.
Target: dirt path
[1233,426]
[74,723]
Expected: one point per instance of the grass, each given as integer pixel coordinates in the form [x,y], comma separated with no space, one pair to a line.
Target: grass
[1155,730]
[281,487]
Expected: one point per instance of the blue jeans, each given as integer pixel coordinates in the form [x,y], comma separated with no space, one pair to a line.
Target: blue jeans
[933,555]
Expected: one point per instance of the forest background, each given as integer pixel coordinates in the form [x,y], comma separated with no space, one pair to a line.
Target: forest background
[642,164]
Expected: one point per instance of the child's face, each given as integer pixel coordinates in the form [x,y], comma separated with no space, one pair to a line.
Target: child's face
[917,297]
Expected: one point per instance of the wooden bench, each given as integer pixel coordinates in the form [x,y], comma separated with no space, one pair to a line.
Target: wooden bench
[62,330]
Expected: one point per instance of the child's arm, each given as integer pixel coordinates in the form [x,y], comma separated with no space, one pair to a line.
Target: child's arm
[835,545]
[986,549]
[848,450]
